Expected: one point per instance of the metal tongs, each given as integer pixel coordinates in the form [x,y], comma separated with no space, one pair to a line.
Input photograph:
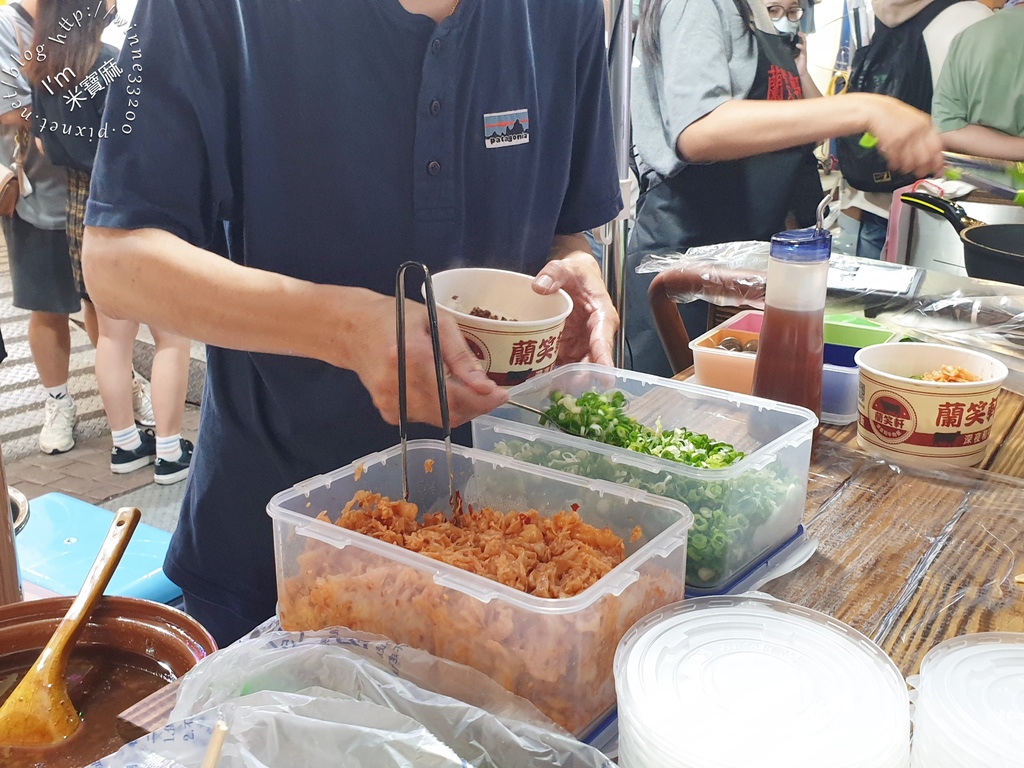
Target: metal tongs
[442,390]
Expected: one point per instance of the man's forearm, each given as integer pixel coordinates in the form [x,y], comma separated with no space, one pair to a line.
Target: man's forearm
[154,277]
[985,142]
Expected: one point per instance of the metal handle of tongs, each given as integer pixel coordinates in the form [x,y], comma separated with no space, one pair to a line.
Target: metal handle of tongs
[442,389]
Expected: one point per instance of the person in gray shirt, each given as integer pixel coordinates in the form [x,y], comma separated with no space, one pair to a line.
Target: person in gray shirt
[721,132]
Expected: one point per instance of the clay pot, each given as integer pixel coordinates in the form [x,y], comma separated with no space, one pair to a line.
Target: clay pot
[19,508]
[141,626]
[117,625]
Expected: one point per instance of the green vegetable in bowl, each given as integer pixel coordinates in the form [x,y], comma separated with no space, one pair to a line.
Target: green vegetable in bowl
[736,518]
[602,417]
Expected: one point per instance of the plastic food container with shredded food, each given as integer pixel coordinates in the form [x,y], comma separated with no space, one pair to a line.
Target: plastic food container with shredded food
[557,653]
[735,682]
[742,514]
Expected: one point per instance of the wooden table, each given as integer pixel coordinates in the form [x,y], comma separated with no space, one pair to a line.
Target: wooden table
[912,557]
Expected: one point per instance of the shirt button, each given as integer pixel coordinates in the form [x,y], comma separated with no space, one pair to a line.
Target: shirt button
[433,167]
[435,107]
[435,47]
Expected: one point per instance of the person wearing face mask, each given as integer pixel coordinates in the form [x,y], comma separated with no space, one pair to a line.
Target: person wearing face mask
[787,17]
[722,132]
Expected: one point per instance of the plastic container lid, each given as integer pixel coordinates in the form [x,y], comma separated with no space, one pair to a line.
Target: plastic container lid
[970,703]
[723,682]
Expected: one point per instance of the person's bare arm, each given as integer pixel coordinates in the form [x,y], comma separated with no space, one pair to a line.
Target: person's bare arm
[984,141]
[13,118]
[155,277]
[589,333]
[743,128]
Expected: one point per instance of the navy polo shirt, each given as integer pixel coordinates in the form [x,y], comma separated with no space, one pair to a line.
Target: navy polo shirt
[331,141]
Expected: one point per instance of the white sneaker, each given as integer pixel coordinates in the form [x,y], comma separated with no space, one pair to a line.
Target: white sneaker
[142,401]
[57,435]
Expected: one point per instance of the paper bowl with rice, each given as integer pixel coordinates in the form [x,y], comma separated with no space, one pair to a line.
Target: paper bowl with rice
[927,403]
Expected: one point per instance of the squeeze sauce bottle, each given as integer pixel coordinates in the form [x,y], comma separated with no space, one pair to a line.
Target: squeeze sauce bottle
[790,350]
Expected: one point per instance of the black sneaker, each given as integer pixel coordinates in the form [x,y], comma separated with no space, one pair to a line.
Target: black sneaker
[169,472]
[123,461]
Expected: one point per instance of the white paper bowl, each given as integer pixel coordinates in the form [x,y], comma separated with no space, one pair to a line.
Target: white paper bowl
[926,422]
[511,350]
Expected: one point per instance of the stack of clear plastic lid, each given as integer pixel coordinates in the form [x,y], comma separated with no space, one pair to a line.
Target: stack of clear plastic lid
[734,682]
[969,710]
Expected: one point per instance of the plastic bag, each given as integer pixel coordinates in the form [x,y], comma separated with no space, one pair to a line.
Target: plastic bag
[727,274]
[271,729]
[926,305]
[277,681]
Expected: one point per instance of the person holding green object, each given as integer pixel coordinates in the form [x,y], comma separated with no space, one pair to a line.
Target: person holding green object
[722,130]
[977,107]
[903,24]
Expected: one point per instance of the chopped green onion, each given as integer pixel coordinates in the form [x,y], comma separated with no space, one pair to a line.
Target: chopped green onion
[732,517]
[602,417]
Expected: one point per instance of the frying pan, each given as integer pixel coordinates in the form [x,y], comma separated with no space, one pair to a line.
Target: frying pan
[991,251]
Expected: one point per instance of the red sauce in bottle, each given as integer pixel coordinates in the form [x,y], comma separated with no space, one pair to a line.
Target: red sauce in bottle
[790,369]
[791,345]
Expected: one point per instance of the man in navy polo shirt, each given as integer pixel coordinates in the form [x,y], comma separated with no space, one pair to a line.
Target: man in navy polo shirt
[318,144]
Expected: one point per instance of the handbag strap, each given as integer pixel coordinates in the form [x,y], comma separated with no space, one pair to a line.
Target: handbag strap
[23,136]
[23,13]
[21,142]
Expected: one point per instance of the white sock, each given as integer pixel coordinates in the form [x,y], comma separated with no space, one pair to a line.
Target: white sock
[127,439]
[57,393]
[168,448]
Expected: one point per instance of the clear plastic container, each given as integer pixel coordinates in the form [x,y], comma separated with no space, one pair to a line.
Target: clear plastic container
[742,513]
[734,371]
[969,709]
[555,652]
[845,334]
[733,682]
[727,369]
[838,394]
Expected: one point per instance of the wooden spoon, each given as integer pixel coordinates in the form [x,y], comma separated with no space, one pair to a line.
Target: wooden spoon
[39,711]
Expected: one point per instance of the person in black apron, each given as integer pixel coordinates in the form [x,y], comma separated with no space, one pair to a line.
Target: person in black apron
[746,199]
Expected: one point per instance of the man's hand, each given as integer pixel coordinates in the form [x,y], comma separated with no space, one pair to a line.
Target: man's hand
[470,392]
[589,334]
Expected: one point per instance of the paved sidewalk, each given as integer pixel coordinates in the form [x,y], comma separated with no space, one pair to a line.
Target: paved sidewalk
[83,472]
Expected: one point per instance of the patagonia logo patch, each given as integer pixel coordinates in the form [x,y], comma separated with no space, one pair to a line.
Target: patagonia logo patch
[505,129]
